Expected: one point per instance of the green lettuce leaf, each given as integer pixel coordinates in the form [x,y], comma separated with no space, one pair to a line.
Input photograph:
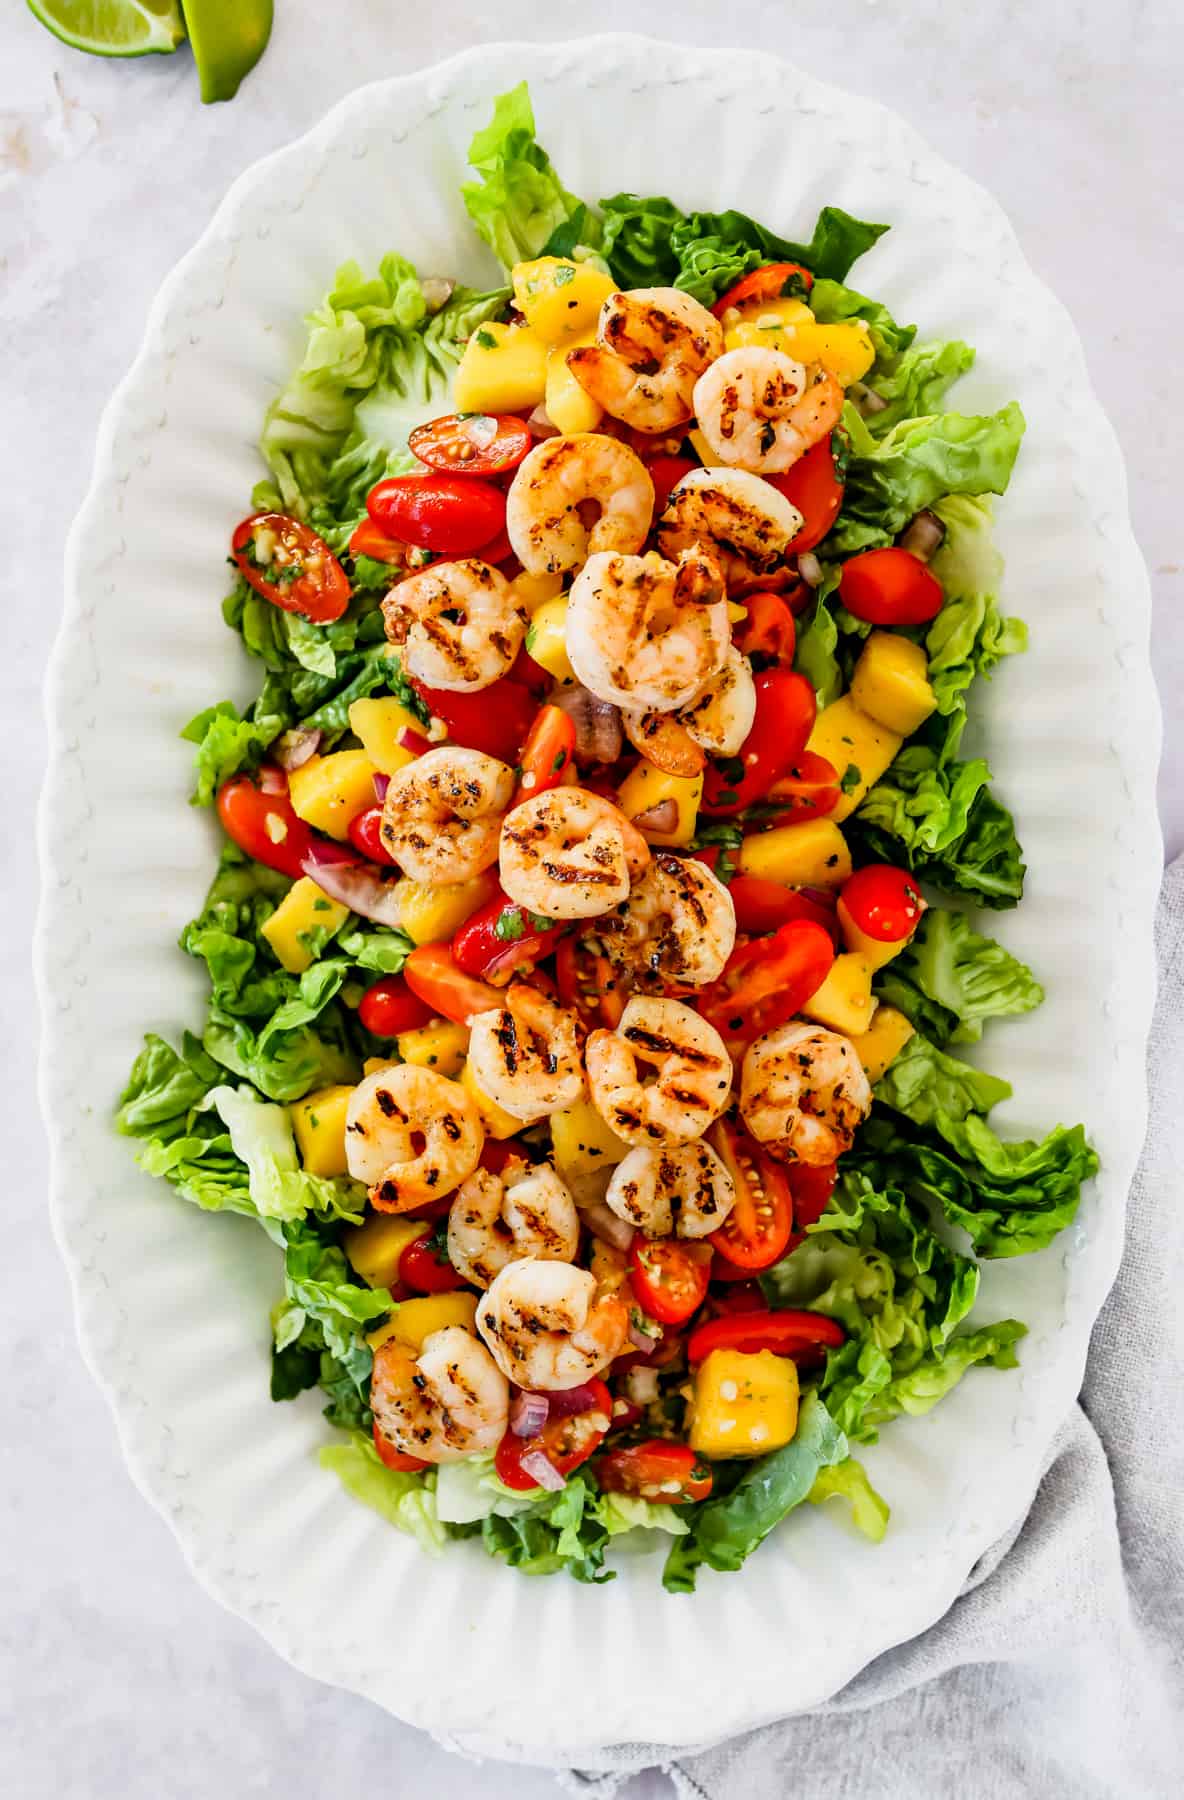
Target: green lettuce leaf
[915,383]
[941,819]
[950,979]
[261,1137]
[725,1530]
[970,635]
[375,948]
[561,1531]
[404,1499]
[834,304]
[227,742]
[319,1288]
[849,1481]
[923,1083]
[519,203]
[284,1057]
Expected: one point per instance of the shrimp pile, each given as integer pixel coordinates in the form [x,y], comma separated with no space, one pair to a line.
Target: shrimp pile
[548,1326]
[460,625]
[443,812]
[411,1136]
[803,1093]
[651,347]
[662,1077]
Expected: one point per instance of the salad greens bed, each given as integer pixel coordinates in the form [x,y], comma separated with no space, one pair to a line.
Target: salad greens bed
[210,1116]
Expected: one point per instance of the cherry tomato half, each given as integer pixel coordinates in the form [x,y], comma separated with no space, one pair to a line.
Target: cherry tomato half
[472,443]
[447,992]
[765,982]
[804,1336]
[756,1231]
[808,790]
[666,472]
[392,1458]
[502,937]
[496,719]
[890,587]
[669,1276]
[814,487]
[451,514]
[588,985]
[424,1267]
[811,1185]
[883,902]
[786,708]
[658,1470]
[390,1007]
[772,281]
[365,834]
[257,814]
[576,1425]
[768,636]
[367,540]
[548,753]
[291,566]
[764,906]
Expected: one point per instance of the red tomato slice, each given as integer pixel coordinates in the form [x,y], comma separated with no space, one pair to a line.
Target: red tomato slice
[390,1007]
[811,1185]
[756,1231]
[502,937]
[764,906]
[525,672]
[472,443]
[786,708]
[547,755]
[669,1277]
[448,993]
[451,514]
[765,982]
[768,636]
[772,281]
[588,985]
[658,1470]
[890,587]
[495,719]
[256,813]
[499,1152]
[392,1458]
[365,834]
[291,566]
[743,1295]
[814,487]
[423,1268]
[367,540]
[498,550]
[808,790]
[883,902]
[666,472]
[576,1426]
[804,1336]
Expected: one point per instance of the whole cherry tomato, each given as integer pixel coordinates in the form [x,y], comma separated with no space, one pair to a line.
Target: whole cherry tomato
[804,1336]
[890,587]
[291,566]
[451,514]
[786,708]
[472,443]
[883,902]
[390,1007]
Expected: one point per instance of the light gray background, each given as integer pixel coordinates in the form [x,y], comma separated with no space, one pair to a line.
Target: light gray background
[118,1676]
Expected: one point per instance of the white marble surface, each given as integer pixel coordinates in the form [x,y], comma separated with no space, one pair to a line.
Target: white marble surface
[117,1675]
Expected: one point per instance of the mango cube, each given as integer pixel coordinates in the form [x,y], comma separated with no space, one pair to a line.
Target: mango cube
[560,299]
[743,1404]
[533,590]
[439,1045]
[318,1123]
[428,914]
[496,1120]
[375,1247]
[303,910]
[858,746]
[812,854]
[503,369]
[413,1321]
[891,682]
[844,1002]
[570,407]
[845,350]
[328,791]
[378,722]
[880,1045]
[546,640]
[646,787]
[583,1143]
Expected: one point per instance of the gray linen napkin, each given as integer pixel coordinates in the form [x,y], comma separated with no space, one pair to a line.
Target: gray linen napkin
[1059,1671]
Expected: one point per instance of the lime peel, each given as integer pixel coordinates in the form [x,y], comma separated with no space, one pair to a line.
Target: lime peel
[228,38]
[113,27]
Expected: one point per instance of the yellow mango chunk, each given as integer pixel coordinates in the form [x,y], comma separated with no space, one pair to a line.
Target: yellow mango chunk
[858,746]
[570,407]
[883,1041]
[582,1142]
[845,350]
[812,854]
[439,1045]
[374,1247]
[428,914]
[328,791]
[743,1404]
[704,451]
[761,322]
[415,1320]
[875,951]
[303,909]
[318,1124]
[503,369]
[891,682]
[560,299]
[844,1002]
[546,640]
[534,590]
[496,1120]
[645,787]
[378,722]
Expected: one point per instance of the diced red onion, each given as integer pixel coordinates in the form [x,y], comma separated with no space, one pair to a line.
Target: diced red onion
[381,784]
[597,723]
[540,1468]
[565,1402]
[662,817]
[437,291]
[528,1414]
[809,568]
[642,1340]
[865,399]
[292,749]
[355,884]
[604,1224]
[540,423]
[923,535]
[413,741]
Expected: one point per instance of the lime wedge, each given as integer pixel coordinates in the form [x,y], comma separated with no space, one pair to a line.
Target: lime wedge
[113,27]
[228,38]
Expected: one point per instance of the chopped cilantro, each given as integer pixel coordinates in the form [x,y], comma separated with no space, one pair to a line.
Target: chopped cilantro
[563,275]
[486,340]
[509,925]
[850,779]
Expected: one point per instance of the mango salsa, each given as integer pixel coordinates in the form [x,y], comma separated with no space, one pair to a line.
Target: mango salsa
[891,682]
[496,1120]
[303,909]
[328,791]
[318,1123]
[743,1404]
[859,748]
[846,350]
[503,370]
[570,407]
[560,299]
[546,640]
[439,1045]
[583,1143]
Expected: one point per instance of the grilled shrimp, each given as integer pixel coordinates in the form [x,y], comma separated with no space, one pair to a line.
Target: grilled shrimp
[450,1401]
[499,1219]
[718,719]
[761,410]
[652,344]
[645,633]
[677,926]
[569,854]
[803,1092]
[574,496]
[664,741]
[443,812]
[525,1055]
[745,522]
[392,1111]
[549,1327]
[663,1076]
[460,623]
[682,1188]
